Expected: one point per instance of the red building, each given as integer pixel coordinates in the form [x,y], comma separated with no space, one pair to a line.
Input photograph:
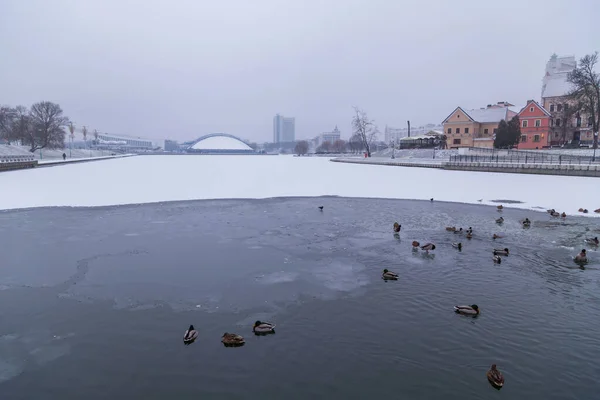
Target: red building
[535,126]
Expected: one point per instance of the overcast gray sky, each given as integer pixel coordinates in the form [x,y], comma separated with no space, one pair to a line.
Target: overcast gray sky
[180,69]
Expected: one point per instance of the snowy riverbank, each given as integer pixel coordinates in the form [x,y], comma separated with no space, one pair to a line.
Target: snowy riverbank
[148,179]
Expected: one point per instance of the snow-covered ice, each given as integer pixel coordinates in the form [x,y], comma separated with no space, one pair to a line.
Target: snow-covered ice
[148,179]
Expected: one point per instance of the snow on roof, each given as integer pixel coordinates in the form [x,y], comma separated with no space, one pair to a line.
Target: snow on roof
[556,86]
[487,115]
[221,143]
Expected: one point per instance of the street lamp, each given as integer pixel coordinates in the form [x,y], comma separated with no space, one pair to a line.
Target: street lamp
[72,135]
[595,145]
[393,150]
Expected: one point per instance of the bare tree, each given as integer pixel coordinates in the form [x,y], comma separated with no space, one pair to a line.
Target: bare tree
[84,131]
[364,128]
[301,147]
[47,126]
[96,135]
[355,144]
[339,146]
[325,147]
[586,90]
[7,119]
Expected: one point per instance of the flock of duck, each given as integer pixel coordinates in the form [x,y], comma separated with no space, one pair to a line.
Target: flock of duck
[231,339]
[494,375]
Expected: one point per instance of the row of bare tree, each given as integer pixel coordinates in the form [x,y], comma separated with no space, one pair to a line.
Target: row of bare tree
[40,126]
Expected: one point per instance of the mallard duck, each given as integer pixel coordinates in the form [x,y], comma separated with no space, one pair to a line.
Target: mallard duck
[550,211]
[563,215]
[597,211]
[459,231]
[495,377]
[415,244]
[190,335]
[262,328]
[428,246]
[469,235]
[451,228]
[457,246]
[580,210]
[467,310]
[501,252]
[496,236]
[526,223]
[231,339]
[592,241]
[397,227]
[389,275]
[581,257]
[500,207]
[321,208]
[555,214]
[431,199]
[585,211]
[497,259]
[500,220]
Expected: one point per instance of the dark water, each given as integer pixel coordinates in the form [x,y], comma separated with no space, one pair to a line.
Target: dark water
[94,302]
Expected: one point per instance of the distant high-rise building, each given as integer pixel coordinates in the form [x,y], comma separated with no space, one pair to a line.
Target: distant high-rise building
[284,129]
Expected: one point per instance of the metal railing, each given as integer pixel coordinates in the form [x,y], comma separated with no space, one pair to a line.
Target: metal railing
[16,158]
[523,157]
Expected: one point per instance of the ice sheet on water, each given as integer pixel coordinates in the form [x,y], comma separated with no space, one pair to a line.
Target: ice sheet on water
[342,275]
[277,277]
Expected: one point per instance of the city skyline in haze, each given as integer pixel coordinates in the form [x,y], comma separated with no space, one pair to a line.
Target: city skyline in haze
[182,69]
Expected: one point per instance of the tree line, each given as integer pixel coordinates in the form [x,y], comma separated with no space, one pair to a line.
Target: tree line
[38,127]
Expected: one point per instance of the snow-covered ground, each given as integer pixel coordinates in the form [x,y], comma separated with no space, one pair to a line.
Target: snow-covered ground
[146,179]
[47,154]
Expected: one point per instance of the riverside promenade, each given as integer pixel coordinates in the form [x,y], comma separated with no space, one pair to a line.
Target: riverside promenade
[588,170]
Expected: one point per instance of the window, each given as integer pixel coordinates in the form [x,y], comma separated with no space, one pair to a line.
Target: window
[523,138]
[524,123]
[466,130]
[530,109]
[578,122]
[457,130]
[485,131]
[457,115]
[564,121]
[456,141]
[559,108]
[449,130]
[495,130]
[538,123]
[536,138]
[551,107]
[566,106]
[557,121]
[590,121]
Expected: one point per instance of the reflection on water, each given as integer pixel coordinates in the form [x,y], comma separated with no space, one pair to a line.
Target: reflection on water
[108,292]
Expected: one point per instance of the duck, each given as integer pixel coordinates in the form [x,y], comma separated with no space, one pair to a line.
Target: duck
[500,220]
[457,245]
[563,215]
[495,377]
[500,207]
[501,252]
[467,310]
[415,244]
[469,235]
[231,339]
[597,211]
[585,211]
[496,236]
[321,208]
[190,335]
[459,231]
[555,214]
[592,241]
[497,259]
[389,275]
[581,257]
[451,228]
[431,199]
[526,223]
[397,227]
[550,211]
[262,328]
[428,246]
[581,210]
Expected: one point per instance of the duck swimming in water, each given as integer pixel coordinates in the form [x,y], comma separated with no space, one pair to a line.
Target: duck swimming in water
[526,223]
[496,236]
[592,241]
[501,252]
[497,259]
[563,215]
[469,235]
[555,214]
[190,335]
[428,246]
[457,246]
[500,220]
[415,244]
[321,208]
[581,257]
[451,228]
[262,328]
[580,210]
[500,207]
[467,310]
[495,377]
[597,211]
[397,227]
[552,210]
[232,340]
[459,231]
[389,275]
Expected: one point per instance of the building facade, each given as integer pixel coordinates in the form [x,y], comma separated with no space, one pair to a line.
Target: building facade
[284,129]
[124,141]
[567,124]
[475,128]
[535,126]
[330,137]
[395,134]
